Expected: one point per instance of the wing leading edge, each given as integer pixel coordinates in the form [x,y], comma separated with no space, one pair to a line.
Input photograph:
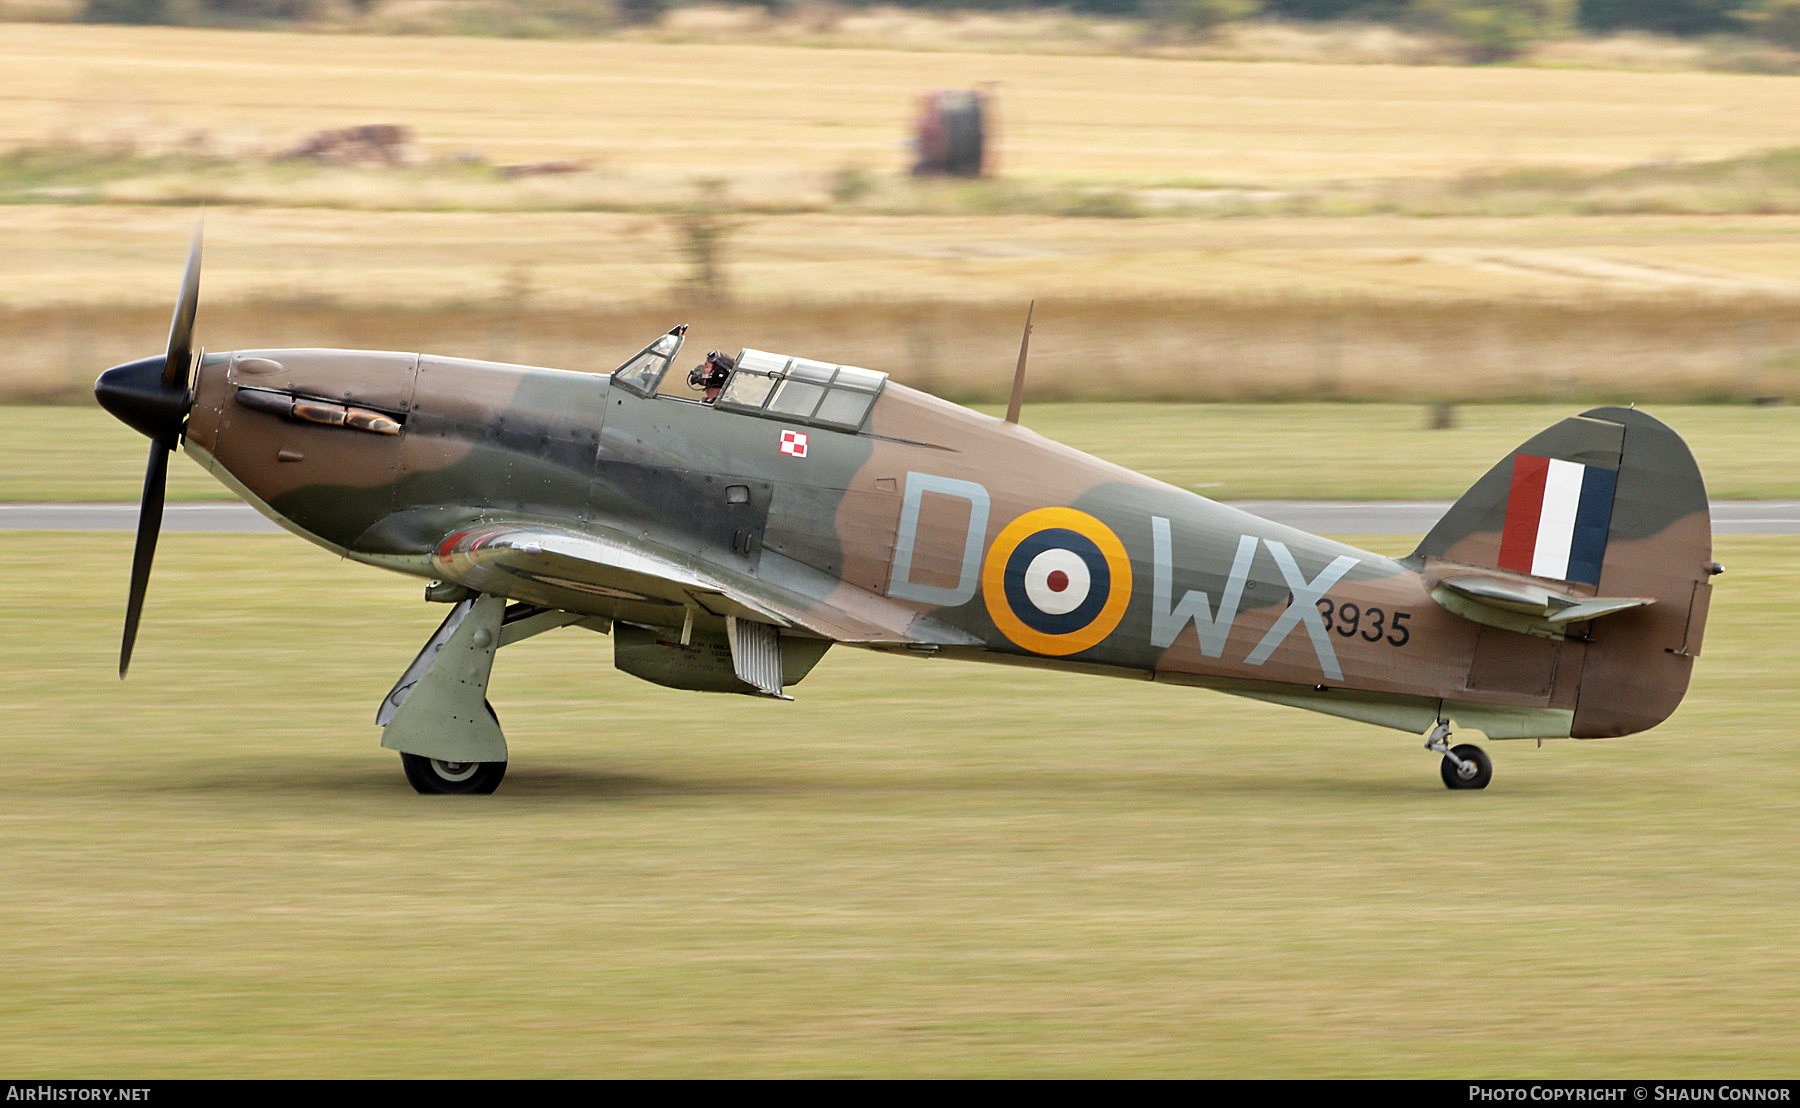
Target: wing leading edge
[602,572]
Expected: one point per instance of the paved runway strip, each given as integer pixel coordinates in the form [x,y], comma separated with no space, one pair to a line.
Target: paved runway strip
[1332,517]
[222,515]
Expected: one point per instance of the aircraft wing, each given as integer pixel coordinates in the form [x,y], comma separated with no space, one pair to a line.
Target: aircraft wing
[604,572]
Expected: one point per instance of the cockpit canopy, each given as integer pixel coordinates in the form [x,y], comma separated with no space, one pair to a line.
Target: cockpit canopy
[774,386]
[800,390]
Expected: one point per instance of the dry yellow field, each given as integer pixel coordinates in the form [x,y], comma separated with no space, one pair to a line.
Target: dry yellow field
[757,111]
[1668,308]
[113,254]
[1688,307]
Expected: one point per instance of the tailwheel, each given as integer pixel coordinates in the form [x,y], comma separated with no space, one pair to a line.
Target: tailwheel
[1464,767]
[1467,767]
[434,776]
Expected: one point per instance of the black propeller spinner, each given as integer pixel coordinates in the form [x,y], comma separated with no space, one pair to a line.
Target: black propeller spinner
[151,396]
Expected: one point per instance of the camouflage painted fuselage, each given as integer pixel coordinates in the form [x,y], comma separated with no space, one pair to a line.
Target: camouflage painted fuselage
[940,530]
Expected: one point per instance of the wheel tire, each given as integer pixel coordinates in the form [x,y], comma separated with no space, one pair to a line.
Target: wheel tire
[435,777]
[1469,752]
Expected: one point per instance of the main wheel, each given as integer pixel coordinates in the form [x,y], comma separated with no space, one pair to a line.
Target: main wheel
[1478,772]
[433,776]
[436,777]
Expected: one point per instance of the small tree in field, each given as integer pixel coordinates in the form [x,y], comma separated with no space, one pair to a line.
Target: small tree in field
[1778,21]
[704,229]
[1198,15]
[1496,30]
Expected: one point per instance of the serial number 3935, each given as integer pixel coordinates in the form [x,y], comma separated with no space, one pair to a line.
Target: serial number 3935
[1371,624]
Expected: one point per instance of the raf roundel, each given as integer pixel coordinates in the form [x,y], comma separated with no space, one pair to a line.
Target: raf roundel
[1056,581]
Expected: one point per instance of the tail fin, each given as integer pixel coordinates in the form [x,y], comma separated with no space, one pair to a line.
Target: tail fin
[1606,504]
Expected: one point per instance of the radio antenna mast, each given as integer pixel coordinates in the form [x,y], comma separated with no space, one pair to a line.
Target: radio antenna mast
[1018,393]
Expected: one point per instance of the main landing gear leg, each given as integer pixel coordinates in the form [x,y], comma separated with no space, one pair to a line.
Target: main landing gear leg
[437,715]
[1464,767]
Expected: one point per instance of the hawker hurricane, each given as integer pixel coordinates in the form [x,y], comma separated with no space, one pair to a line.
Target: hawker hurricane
[727,536]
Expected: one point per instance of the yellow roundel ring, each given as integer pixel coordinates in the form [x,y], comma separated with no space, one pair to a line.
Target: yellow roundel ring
[1056,581]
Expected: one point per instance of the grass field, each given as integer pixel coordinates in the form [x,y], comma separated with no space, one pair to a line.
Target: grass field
[1225,451]
[916,869]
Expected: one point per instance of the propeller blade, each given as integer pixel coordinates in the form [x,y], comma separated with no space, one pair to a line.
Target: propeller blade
[181,327]
[152,395]
[150,513]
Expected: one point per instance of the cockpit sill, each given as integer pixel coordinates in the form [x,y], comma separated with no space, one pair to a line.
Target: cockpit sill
[770,386]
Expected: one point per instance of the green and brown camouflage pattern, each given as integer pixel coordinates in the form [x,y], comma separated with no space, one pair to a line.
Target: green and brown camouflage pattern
[564,490]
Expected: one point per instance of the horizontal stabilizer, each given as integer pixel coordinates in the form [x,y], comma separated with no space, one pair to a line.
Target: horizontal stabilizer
[1597,607]
[1525,607]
